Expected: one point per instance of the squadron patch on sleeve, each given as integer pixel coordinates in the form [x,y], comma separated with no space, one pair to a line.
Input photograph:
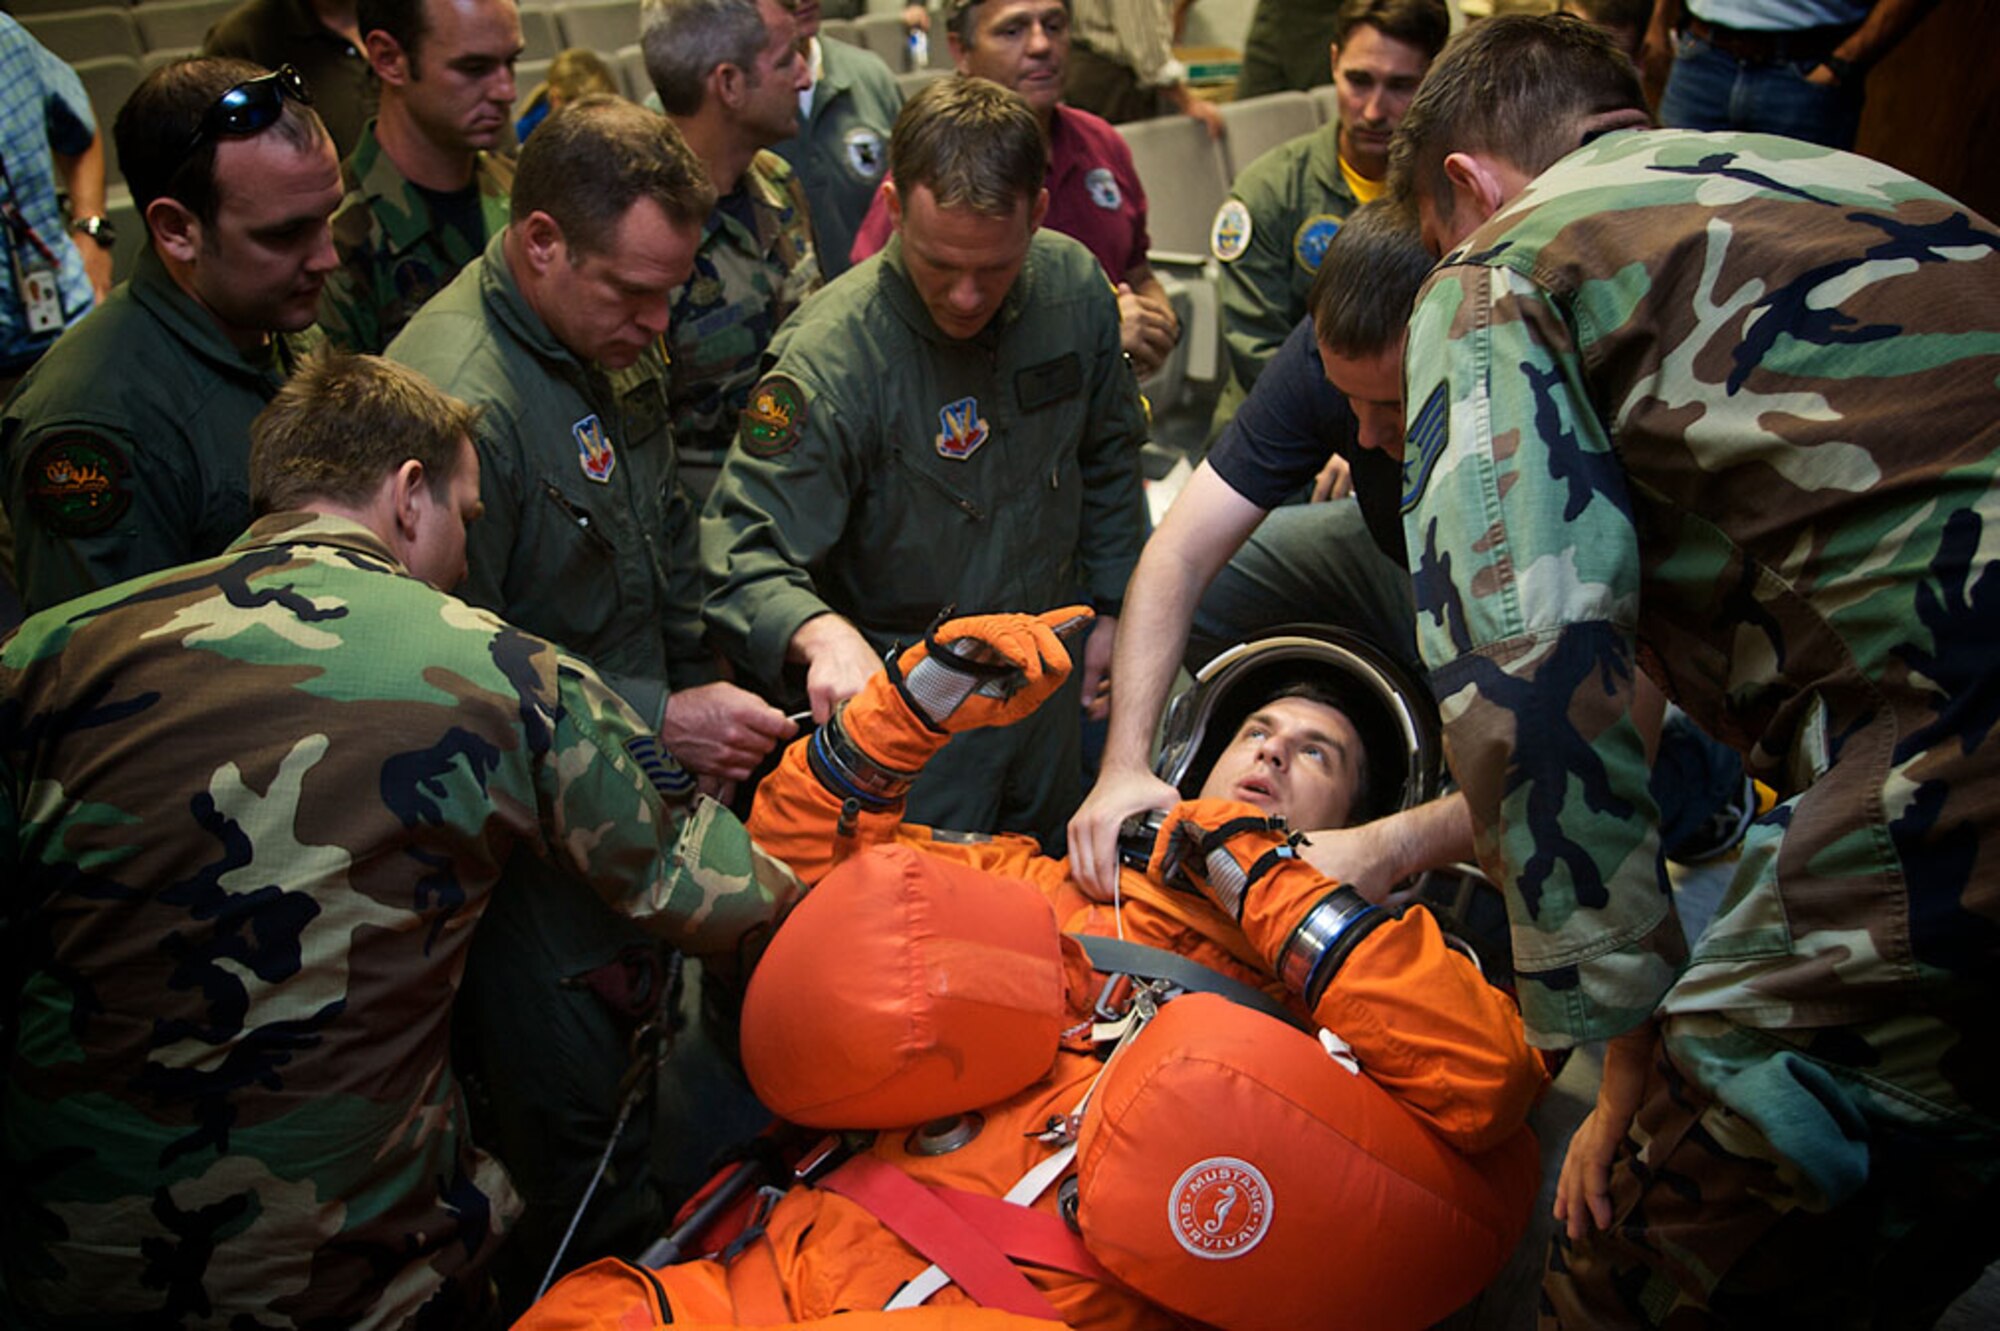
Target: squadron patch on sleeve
[1230,235]
[78,483]
[1313,236]
[866,155]
[774,418]
[1422,446]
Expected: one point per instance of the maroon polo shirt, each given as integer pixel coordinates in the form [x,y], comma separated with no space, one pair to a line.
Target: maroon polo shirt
[1094,195]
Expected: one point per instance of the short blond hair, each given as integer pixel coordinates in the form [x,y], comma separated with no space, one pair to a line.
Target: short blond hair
[344,423]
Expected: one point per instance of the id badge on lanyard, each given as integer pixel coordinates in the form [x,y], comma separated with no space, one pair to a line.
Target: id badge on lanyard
[37,271]
[35,274]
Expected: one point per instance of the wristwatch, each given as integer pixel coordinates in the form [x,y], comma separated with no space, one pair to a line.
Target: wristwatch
[98,228]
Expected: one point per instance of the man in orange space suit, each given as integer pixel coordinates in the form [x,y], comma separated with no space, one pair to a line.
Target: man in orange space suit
[1310,1114]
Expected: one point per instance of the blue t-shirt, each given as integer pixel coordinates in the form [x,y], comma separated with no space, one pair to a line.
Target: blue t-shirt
[1780,15]
[43,110]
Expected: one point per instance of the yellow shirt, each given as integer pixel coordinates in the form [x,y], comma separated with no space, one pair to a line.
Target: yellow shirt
[1363,189]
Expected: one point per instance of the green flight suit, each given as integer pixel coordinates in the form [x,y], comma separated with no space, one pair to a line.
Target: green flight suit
[394,254]
[841,152]
[127,448]
[588,540]
[1270,235]
[608,568]
[884,470]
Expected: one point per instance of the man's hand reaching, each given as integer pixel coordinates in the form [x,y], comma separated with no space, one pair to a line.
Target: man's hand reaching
[719,731]
[1093,831]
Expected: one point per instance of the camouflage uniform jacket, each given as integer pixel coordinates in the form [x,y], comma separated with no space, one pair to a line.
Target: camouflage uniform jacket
[393,255]
[127,448]
[588,538]
[1722,407]
[746,281]
[885,469]
[251,812]
[1270,235]
[841,151]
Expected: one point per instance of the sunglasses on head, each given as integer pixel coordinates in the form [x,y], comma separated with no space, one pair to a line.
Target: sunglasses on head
[249,107]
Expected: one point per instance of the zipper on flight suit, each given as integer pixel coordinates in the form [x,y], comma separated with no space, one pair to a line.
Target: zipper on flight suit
[578,516]
[958,501]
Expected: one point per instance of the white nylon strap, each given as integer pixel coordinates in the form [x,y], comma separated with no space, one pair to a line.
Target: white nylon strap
[1032,1185]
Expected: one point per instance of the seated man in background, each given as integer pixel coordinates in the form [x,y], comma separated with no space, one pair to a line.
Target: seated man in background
[1221,1167]
[951,422]
[1094,189]
[576,72]
[1284,208]
[252,811]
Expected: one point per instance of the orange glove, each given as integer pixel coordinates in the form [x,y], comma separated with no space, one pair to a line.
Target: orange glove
[1220,847]
[1226,848]
[989,670]
[982,670]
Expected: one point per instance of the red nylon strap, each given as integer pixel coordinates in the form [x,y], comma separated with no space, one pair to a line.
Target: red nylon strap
[1024,1233]
[917,1216]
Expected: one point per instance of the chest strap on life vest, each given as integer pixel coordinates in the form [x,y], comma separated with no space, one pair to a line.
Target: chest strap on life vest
[1117,956]
[969,1238]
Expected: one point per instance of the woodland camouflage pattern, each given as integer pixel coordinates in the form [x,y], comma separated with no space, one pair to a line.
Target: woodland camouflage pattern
[745,283]
[1723,408]
[251,810]
[394,255]
[1801,1178]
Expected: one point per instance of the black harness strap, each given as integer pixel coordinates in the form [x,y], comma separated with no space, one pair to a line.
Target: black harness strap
[1152,963]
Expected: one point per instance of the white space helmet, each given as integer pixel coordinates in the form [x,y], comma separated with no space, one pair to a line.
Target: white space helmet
[1390,708]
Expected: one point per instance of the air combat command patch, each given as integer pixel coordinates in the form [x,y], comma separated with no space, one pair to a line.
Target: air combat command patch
[1309,242]
[78,484]
[960,429]
[1230,235]
[774,418]
[593,449]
